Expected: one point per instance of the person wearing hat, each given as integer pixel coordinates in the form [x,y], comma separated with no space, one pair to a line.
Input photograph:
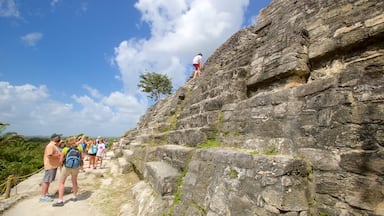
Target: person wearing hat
[197,64]
[61,145]
[51,162]
[73,171]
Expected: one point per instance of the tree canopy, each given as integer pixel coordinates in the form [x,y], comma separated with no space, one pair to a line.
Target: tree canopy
[158,85]
[19,156]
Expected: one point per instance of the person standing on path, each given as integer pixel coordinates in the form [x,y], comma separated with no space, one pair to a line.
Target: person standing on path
[197,64]
[70,171]
[51,162]
[100,153]
[92,150]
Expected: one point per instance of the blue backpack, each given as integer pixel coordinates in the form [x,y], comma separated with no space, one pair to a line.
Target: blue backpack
[72,158]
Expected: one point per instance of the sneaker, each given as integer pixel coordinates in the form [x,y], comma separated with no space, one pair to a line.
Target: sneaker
[58,204]
[74,199]
[45,199]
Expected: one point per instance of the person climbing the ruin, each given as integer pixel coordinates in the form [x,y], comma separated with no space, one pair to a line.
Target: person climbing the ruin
[197,64]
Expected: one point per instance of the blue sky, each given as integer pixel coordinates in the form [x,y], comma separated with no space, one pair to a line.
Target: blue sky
[72,66]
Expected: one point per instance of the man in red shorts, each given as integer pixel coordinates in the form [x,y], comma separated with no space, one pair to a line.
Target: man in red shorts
[197,64]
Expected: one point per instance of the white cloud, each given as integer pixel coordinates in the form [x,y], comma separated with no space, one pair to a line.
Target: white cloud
[179,30]
[54,3]
[31,39]
[84,7]
[31,110]
[94,92]
[8,9]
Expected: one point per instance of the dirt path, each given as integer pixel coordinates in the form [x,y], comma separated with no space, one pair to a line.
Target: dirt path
[102,192]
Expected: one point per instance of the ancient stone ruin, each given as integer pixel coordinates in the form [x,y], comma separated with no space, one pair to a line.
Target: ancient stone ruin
[286,119]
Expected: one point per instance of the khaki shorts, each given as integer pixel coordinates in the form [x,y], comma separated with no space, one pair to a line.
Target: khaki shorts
[69,171]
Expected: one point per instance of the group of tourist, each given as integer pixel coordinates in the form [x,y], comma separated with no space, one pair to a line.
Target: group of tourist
[68,156]
[57,152]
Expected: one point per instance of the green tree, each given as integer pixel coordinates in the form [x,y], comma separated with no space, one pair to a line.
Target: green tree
[156,84]
[19,156]
[9,137]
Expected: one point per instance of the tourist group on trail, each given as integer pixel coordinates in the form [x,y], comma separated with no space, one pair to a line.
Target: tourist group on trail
[68,157]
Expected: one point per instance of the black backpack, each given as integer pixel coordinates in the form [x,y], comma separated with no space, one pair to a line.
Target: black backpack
[72,158]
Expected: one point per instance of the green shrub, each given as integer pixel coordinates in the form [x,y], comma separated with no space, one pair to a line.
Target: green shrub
[210,144]
[271,150]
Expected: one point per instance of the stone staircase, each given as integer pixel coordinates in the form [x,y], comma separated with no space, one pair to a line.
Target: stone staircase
[179,180]
[295,103]
[160,169]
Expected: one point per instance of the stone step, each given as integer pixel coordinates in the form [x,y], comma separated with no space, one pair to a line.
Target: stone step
[146,202]
[124,165]
[111,154]
[118,152]
[190,137]
[154,139]
[186,137]
[127,153]
[162,177]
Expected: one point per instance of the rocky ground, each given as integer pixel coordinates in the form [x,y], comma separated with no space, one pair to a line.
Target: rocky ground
[102,192]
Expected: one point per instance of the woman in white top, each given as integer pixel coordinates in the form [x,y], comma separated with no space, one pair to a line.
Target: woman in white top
[100,152]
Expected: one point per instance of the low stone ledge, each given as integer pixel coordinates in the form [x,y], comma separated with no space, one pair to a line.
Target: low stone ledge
[162,177]
[144,201]
[127,154]
[176,155]
[116,153]
[125,166]
[268,183]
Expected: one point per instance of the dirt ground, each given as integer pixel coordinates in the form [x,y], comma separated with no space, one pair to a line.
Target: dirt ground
[102,192]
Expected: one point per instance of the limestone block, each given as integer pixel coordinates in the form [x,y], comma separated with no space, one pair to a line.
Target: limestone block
[125,166]
[321,159]
[162,177]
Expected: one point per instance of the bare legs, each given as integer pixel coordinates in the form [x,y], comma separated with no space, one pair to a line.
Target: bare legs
[61,188]
[101,161]
[44,188]
[75,186]
[196,73]
[92,161]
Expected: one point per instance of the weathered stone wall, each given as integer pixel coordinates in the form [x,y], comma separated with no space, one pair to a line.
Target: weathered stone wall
[296,103]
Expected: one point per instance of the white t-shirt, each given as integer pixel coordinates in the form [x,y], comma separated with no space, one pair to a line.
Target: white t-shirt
[100,150]
[196,59]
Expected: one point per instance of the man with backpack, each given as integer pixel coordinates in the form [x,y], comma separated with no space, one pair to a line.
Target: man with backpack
[71,159]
